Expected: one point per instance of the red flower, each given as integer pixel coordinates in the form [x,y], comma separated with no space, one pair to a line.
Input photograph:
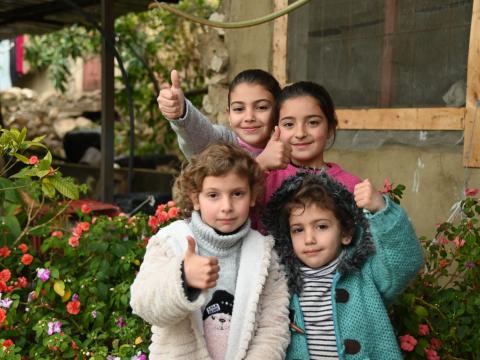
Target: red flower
[3,315]
[85,209]
[423,329]
[22,282]
[153,222]
[435,344]
[407,342]
[23,248]
[5,275]
[387,186]
[7,343]
[3,286]
[431,354]
[27,259]
[74,345]
[458,241]
[84,226]
[57,233]
[73,307]
[33,160]
[4,251]
[160,208]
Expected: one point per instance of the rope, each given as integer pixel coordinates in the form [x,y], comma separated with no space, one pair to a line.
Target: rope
[231,25]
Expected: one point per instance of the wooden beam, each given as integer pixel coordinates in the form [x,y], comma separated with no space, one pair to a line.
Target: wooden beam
[471,147]
[401,119]
[279,60]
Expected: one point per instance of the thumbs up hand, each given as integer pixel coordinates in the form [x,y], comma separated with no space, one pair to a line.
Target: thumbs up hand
[171,100]
[276,154]
[201,272]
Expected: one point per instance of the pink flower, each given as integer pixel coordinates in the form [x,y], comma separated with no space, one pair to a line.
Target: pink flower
[459,242]
[43,274]
[171,203]
[74,241]
[153,222]
[407,342]
[121,322]
[442,240]
[33,160]
[431,354]
[85,209]
[163,217]
[160,208]
[387,186]
[423,329]
[22,282]
[57,234]
[85,226]
[471,192]
[54,327]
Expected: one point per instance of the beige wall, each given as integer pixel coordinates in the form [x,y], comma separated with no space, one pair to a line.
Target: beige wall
[434,179]
[248,47]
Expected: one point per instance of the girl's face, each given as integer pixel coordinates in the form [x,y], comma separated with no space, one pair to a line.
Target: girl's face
[316,235]
[304,126]
[224,202]
[249,111]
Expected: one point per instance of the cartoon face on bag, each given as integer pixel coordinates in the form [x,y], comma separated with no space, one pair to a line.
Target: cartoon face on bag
[316,234]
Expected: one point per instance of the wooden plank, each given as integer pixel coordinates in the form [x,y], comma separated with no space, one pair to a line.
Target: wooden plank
[471,147]
[279,61]
[390,11]
[401,119]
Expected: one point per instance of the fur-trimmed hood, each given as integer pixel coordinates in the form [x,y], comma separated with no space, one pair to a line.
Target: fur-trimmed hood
[275,220]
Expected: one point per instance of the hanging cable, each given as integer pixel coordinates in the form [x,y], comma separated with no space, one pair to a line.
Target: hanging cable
[231,25]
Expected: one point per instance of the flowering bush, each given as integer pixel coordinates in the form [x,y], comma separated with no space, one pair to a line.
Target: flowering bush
[437,317]
[64,287]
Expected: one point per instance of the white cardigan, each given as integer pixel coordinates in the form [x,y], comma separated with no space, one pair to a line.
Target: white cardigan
[259,324]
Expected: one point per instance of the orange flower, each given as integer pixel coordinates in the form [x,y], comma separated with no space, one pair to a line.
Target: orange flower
[23,248]
[74,241]
[57,233]
[26,259]
[73,307]
[172,212]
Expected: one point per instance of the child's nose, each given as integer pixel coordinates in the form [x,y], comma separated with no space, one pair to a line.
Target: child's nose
[250,114]
[300,131]
[309,237]
[227,204]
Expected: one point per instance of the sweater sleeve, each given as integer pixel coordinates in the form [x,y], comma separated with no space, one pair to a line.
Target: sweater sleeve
[399,255]
[157,293]
[195,132]
[272,335]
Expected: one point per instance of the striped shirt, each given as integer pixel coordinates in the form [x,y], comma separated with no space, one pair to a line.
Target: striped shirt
[316,304]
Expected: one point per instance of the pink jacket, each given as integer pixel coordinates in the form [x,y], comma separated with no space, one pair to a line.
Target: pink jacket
[276,177]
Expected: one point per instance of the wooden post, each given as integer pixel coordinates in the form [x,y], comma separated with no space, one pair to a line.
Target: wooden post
[279,61]
[471,146]
[107,137]
[387,53]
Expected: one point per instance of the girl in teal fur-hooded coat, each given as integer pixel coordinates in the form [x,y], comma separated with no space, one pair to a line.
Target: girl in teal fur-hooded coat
[373,269]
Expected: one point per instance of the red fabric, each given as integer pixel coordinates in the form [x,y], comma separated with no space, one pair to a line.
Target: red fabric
[19,54]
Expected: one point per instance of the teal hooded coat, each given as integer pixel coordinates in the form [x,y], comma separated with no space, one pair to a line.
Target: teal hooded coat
[383,257]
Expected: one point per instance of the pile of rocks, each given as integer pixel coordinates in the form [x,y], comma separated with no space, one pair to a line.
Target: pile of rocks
[50,114]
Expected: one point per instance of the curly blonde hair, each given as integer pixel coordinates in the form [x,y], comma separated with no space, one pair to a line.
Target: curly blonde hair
[218,159]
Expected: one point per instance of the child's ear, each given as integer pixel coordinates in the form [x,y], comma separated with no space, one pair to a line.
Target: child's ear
[195,201]
[346,239]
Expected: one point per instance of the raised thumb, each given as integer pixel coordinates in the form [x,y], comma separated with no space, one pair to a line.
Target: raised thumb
[191,245]
[276,134]
[175,78]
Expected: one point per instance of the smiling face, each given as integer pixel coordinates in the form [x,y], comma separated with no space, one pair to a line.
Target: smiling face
[224,202]
[304,126]
[316,235]
[250,112]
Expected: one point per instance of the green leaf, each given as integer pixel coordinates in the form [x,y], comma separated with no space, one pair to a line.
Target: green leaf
[12,224]
[48,189]
[65,186]
[21,158]
[421,312]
